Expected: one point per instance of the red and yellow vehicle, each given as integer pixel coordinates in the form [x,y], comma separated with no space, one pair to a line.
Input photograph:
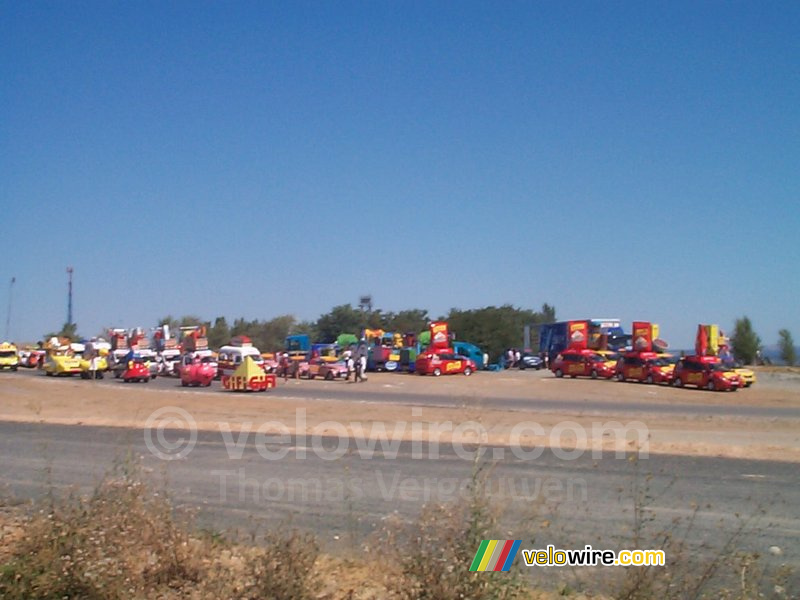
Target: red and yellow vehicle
[582,363]
[706,372]
[444,363]
[137,369]
[248,377]
[646,367]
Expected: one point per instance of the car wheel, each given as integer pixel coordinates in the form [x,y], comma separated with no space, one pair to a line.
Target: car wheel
[310,375]
[522,367]
[467,371]
[621,377]
[329,376]
[208,384]
[559,373]
[711,386]
[649,379]
[184,384]
[437,372]
[677,382]
[594,373]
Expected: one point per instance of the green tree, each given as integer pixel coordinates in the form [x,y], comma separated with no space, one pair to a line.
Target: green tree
[342,319]
[745,342]
[786,347]
[495,328]
[68,330]
[219,334]
[414,320]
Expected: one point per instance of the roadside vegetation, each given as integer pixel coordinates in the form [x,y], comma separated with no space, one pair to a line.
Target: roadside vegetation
[125,540]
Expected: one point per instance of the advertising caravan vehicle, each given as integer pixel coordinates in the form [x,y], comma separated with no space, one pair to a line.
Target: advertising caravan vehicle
[232,356]
[581,363]
[646,362]
[248,377]
[8,356]
[705,372]
[593,334]
[197,371]
[444,363]
[62,360]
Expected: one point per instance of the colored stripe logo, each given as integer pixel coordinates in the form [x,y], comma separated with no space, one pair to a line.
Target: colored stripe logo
[495,555]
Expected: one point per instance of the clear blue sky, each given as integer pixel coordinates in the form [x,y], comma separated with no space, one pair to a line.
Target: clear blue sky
[637,160]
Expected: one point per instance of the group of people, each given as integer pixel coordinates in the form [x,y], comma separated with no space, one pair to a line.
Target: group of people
[512,358]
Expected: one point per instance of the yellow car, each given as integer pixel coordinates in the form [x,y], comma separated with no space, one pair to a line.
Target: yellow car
[62,364]
[100,367]
[747,376]
[610,357]
[8,356]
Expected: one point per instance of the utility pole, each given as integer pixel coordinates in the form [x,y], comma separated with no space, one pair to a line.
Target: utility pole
[69,296]
[8,314]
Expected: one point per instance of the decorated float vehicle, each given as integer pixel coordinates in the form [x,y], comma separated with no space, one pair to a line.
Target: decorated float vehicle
[8,356]
[248,377]
[136,370]
[63,359]
[647,362]
[233,355]
[198,370]
[646,367]
[94,362]
[444,363]
[706,372]
[581,363]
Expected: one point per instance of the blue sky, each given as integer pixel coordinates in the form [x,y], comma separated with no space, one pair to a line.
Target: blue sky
[637,160]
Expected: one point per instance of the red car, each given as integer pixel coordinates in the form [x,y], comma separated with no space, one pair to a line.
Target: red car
[647,367]
[198,372]
[583,363]
[706,372]
[434,364]
[137,370]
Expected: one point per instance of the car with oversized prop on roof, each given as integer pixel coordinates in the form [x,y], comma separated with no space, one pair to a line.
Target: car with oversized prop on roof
[645,367]
[706,372]
[581,363]
[444,363]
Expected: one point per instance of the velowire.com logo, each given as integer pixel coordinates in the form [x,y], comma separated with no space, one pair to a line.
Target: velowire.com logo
[495,555]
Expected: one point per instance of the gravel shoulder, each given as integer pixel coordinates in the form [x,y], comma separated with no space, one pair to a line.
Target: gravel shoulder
[31,398]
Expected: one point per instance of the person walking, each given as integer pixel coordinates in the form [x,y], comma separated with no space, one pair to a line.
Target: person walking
[284,365]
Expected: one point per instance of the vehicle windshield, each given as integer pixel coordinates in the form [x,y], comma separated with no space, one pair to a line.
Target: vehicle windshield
[665,361]
[6,353]
[719,367]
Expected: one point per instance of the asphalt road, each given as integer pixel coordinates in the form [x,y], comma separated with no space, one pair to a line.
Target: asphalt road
[240,489]
[337,390]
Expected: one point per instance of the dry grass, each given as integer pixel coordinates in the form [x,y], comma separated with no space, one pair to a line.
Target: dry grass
[124,541]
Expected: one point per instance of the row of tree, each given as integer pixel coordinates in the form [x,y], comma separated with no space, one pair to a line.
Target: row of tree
[492,328]
[747,347]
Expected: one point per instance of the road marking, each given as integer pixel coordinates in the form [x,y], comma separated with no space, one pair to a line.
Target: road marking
[753,476]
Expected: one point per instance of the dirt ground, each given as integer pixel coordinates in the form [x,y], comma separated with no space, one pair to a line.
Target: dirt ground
[75,402]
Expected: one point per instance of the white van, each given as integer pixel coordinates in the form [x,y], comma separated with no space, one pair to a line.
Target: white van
[230,357]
